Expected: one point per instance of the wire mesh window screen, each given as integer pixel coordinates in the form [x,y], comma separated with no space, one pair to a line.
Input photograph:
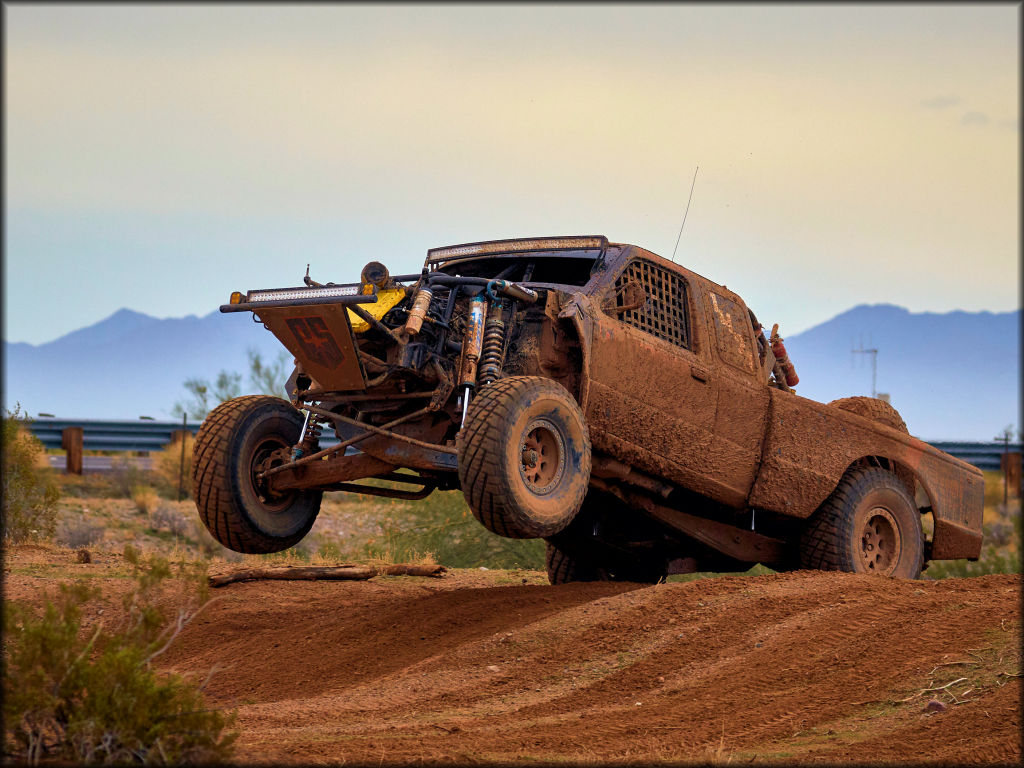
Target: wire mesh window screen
[664,313]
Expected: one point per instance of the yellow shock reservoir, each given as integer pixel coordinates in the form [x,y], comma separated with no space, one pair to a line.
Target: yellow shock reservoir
[386,299]
[418,311]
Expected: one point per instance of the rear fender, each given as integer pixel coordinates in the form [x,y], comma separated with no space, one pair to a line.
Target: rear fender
[810,445]
[951,537]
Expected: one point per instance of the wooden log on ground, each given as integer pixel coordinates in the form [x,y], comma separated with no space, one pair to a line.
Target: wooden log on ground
[326,572]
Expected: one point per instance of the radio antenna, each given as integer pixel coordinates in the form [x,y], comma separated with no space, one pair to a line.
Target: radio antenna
[692,184]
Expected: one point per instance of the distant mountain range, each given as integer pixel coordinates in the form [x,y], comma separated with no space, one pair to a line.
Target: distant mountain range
[953,376]
[129,364]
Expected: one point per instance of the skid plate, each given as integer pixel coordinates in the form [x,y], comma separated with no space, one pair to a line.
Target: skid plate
[320,337]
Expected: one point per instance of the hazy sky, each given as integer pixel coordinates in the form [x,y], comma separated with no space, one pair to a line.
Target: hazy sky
[159,157]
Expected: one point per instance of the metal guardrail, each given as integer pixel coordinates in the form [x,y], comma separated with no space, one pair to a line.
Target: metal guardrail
[121,435]
[982,455]
[111,435]
[155,435]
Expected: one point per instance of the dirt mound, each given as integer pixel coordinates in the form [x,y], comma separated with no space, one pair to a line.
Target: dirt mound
[793,667]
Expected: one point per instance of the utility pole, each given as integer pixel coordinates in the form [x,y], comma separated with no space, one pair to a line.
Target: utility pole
[874,365]
[181,466]
[1005,438]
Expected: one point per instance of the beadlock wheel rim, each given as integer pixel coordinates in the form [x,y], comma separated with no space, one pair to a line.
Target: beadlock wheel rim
[263,459]
[880,542]
[542,457]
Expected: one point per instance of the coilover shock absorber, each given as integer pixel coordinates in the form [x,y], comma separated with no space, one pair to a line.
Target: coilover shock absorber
[472,345]
[309,437]
[494,344]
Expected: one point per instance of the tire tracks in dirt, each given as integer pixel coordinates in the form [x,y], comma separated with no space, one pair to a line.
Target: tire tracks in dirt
[796,667]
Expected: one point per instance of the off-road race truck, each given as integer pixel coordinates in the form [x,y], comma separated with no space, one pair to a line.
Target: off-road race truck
[627,410]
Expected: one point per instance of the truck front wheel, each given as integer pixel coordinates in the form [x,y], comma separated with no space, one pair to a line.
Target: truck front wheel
[524,457]
[868,525]
[238,440]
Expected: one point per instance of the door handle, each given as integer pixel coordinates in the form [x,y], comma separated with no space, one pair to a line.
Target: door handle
[699,374]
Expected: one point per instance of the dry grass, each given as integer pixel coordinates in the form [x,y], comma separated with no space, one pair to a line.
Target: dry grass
[77,533]
[145,499]
[1001,542]
[168,468]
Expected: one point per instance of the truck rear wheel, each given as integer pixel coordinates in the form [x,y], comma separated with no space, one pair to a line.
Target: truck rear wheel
[868,525]
[238,439]
[564,568]
[524,457]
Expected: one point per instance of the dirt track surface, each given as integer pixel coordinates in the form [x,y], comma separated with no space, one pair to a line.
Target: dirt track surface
[498,667]
[792,667]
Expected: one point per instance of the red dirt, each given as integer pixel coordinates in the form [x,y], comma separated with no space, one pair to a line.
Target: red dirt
[798,667]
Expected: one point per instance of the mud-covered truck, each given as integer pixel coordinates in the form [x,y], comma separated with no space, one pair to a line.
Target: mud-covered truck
[627,410]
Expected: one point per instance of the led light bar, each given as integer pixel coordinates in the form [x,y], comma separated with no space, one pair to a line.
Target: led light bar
[447,253]
[292,294]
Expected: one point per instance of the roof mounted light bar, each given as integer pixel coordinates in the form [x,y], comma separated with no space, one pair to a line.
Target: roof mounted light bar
[517,245]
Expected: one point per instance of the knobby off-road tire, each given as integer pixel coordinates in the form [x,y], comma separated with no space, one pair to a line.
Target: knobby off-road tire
[578,554]
[564,568]
[868,525]
[524,457]
[234,441]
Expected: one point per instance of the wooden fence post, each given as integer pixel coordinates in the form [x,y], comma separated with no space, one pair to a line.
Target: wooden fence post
[71,441]
[1011,472]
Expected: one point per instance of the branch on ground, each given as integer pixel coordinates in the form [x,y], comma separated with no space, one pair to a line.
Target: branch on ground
[330,572]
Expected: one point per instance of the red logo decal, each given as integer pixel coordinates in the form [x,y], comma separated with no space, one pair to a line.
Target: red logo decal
[316,341]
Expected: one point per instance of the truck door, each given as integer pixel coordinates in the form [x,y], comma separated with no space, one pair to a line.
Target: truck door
[651,400]
[742,394]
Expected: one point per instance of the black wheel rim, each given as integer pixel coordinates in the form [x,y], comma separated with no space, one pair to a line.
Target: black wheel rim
[263,459]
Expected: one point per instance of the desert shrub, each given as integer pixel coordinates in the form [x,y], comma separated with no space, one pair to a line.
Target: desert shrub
[29,492]
[90,486]
[208,546]
[1001,538]
[92,696]
[999,533]
[994,488]
[165,517]
[75,534]
[442,525]
[328,551]
[145,499]
[992,560]
[167,467]
[125,476]
[1000,551]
